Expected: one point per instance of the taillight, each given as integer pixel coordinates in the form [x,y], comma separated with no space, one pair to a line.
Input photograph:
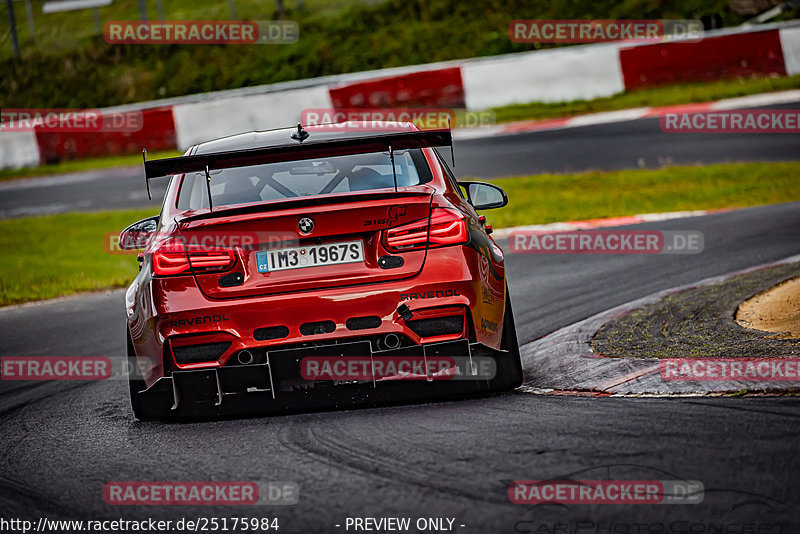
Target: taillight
[173,257]
[445,227]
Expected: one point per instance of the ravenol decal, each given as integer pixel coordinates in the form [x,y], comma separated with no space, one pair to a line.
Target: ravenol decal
[199,320]
[439,293]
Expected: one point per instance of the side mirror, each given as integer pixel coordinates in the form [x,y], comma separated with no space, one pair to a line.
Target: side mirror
[484,196]
[138,234]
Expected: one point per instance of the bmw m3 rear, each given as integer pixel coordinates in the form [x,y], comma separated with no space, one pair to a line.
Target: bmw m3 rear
[313,269]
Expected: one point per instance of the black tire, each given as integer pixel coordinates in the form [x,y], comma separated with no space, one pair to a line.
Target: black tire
[509,364]
[136,383]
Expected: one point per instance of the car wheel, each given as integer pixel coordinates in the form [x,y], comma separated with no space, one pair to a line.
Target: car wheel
[509,363]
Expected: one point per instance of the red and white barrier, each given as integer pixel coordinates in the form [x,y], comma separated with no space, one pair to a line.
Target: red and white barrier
[198,122]
[157,132]
[790,44]
[428,88]
[739,55]
[18,150]
[553,75]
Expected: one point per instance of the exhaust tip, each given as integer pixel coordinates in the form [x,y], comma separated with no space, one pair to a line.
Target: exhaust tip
[245,357]
[391,341]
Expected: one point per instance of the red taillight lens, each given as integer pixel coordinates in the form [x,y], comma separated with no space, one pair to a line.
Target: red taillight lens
[448,227]
[445,227]
[173,257]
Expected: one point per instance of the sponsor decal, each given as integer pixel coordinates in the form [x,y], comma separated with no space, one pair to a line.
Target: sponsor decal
[487,250]
[483,270]
[487,296]
[488,326]
[439,293]
[199,320]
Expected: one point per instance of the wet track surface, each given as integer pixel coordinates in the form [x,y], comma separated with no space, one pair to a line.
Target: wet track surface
[62,441]
[624,145]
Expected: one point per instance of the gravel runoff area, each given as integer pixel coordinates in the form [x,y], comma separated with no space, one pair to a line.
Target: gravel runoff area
[699,322]
[776,310]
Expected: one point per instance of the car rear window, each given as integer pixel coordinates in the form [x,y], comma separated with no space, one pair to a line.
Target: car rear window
[278,181]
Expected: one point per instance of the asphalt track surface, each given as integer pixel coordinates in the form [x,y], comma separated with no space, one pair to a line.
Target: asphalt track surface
[623,145]
[61,442]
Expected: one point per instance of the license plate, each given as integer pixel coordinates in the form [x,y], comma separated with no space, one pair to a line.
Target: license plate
[283,259]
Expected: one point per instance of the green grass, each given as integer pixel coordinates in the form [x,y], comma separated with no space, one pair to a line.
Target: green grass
[71,30]
[45,257]
[569,197]
[84,165]
[657,96]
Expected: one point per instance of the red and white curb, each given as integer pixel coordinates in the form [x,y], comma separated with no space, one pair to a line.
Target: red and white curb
[590,224]
[625,115]
[564,360]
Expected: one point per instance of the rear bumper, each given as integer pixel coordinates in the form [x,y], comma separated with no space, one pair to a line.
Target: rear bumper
[451,284]
[275,387]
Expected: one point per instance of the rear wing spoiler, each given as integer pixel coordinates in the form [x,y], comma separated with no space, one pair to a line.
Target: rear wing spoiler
[300,151]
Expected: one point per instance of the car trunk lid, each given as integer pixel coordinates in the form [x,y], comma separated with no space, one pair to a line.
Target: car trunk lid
[341,225]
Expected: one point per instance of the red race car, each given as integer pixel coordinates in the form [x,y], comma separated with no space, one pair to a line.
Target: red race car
[314,268]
